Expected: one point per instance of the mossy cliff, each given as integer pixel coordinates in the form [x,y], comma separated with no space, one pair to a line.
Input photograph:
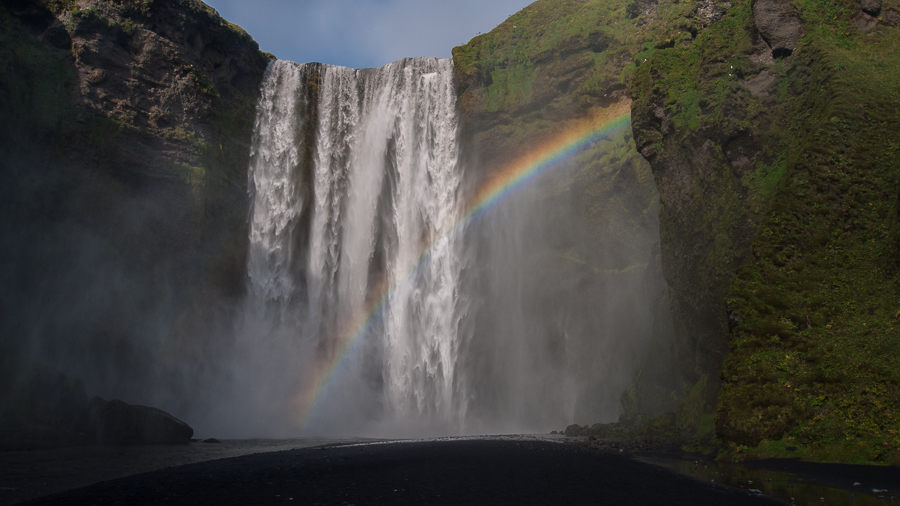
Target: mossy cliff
[771,129]
[773,139]
[124,138]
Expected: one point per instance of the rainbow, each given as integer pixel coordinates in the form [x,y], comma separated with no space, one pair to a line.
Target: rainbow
[576,138]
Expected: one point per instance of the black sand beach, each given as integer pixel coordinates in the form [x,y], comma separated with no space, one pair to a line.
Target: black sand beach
[452,472]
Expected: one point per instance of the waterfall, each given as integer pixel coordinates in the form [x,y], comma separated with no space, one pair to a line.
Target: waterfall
[338,234]
[372,311]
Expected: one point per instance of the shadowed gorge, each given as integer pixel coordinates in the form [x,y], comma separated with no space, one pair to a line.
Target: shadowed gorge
[666,221]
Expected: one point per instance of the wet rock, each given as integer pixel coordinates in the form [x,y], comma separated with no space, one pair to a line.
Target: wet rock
[116,422]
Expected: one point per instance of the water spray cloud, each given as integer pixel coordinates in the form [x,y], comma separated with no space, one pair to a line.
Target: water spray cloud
[577,138]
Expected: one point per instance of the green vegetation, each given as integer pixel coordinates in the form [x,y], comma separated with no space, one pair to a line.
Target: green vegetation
[93,14]
[202,82]
[798,242]
[813,367]
[693,117]
[600,37]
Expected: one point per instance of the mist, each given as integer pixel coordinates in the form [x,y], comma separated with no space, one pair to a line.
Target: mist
[373,302]
[377,307]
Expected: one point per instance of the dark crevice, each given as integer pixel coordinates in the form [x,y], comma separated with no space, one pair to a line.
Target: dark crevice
[782,52]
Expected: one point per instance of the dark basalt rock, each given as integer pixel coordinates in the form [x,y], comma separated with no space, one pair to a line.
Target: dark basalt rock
[116,422]
[872,7]
[575,430]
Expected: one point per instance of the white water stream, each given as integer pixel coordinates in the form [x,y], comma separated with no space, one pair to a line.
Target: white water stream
[385,189]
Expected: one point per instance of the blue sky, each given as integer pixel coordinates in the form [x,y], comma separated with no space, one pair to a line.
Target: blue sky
[364,33]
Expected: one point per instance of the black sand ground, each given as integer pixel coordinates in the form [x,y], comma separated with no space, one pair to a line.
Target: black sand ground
[455,472]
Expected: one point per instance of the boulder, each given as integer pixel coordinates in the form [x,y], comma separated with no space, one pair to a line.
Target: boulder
[890,17]
[871,7]
[778,24]
[574,430]
[116,422]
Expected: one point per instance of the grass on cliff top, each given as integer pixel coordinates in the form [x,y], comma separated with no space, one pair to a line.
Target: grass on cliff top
[814,366]
[508,57]
[133,11]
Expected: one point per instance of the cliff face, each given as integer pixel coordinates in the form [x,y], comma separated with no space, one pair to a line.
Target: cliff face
[773,141]
[770,128]
[124,133]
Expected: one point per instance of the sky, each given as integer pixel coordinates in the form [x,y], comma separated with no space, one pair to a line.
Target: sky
[364,33]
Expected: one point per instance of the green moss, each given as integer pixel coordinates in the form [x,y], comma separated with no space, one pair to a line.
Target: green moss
[510,86]
[813,364]
[767,177]
[92,14]
[802,218]
[694,418]
[507,60]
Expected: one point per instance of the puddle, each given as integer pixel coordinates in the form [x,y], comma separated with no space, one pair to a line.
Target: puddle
[787,487]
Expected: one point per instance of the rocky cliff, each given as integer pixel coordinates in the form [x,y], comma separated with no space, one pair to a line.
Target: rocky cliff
[124,140]
[770,128]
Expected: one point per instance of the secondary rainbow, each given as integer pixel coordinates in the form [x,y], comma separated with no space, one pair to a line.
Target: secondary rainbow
[576,138]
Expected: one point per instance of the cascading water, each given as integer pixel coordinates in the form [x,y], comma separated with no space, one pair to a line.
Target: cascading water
[379,306]
[385,190]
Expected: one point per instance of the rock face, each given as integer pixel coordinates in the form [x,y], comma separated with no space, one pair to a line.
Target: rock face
[115,422]
[778,25]
[125,126]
